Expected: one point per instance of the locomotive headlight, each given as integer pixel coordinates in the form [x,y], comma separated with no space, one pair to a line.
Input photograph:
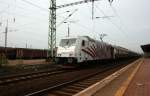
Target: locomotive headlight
[59,54]
[70,54]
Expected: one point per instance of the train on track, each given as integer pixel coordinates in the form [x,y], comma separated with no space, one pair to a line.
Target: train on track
[83,49]
[23,53]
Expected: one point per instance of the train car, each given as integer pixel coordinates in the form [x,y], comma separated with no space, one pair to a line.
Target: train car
[9,52]
[83,49]
[120,52]
[23,53]
[31,53]
[27,53]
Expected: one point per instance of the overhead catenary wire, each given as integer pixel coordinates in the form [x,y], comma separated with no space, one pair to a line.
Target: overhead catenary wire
[18,6]
[93,19]
[8,12]
[27,16]
[16,13]
[20,14]
[37,6]
[67,17]
[117,15]
[47,9]
[121,22]
[81,25]
[24,16]
[119,28]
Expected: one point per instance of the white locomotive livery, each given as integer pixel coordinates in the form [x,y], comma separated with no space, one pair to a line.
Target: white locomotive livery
[84,49]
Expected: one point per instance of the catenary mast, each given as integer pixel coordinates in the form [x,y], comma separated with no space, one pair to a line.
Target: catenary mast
[52,29]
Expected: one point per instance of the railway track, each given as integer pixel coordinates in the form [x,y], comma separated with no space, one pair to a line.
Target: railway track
[22,77]
[76,85]
[50,84]
[7,71]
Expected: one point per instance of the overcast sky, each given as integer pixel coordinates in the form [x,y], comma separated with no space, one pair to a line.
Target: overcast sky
[128,25]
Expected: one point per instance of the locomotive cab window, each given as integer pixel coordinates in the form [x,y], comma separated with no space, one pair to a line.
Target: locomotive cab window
[67,42]
[83,43]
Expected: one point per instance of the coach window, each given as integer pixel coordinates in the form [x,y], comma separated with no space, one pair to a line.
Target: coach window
[83,43]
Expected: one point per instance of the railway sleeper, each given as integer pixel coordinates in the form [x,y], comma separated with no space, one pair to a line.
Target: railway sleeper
[61,93]
[86,83]
[23,77]
[94,79]
[70,90]
[80,85]
[50,94]
[75,87]
[89,81]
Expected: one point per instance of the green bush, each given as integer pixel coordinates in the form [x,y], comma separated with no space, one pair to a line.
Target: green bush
[3,59]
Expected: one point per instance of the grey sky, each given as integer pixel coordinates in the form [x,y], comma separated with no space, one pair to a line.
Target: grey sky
[130,26]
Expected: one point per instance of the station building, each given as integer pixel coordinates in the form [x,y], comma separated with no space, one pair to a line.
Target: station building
[146,49]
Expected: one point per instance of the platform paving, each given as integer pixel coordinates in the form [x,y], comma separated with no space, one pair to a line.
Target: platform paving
[140,84]
[118,86]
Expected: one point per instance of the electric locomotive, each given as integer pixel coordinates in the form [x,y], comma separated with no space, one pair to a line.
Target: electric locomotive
[83,50]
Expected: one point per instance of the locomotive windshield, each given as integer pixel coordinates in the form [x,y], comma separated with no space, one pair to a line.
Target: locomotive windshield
[67,42]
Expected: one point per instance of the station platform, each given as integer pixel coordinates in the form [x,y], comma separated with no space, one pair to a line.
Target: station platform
[133,80]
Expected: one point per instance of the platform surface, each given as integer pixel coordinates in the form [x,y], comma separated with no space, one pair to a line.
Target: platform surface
[133,82]
[140,84]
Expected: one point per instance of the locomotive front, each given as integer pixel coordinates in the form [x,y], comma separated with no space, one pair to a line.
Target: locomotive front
[66,51]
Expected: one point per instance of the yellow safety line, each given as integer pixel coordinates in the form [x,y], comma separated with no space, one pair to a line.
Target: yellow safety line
[125,84]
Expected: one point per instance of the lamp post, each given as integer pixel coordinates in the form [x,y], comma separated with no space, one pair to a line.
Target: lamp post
[68,23]
[68,29]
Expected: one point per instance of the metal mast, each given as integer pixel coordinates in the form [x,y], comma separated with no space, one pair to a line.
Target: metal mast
[52,28]
[6,31]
